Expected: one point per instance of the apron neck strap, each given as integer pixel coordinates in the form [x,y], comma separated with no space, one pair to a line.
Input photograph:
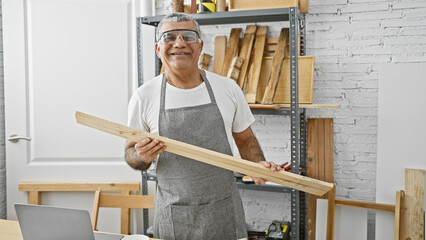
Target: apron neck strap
[164,84]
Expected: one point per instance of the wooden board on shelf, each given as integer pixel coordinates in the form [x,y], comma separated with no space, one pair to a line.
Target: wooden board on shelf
[277,64]
[245,53]
[271,45]
[231,50]
[219,53]
[287,105]
[320,162]
[256,63]
[205,61]
[304,6]
[320,149]
[306,80]
[235,69]
[239,5]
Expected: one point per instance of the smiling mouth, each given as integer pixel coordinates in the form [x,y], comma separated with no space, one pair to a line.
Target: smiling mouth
[180,54]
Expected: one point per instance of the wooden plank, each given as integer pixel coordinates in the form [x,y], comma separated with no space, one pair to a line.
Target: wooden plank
[205,61]
[399,202]
[129,201]
[234,70]
[239,5]
[256,64]
[210,157]
[245,53]
[193,6]
[260,106]
[412,218]
[34,197]
[319,146]
[187,8]
[271,46]
[277,64]
[320,143]
[330,214]
[312,150]
[312,216]
[287,105]
[328,150]
[304,6]
[125,215]
[313,168]
[78,186]
[231,50]
[95,210]
[220,5]
[320,149]
[219,53]
[306,71]
[367,205]
[10,230]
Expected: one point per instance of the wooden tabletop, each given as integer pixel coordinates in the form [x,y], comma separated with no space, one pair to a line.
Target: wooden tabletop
[10,230]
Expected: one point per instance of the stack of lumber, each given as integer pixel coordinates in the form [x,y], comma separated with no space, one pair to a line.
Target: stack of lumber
[261,67]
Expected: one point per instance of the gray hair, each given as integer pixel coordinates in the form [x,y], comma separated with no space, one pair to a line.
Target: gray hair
[176,17]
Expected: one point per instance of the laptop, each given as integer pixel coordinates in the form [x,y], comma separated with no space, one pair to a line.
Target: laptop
[54,223]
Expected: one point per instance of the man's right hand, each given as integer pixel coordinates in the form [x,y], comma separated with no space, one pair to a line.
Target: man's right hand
[139,155]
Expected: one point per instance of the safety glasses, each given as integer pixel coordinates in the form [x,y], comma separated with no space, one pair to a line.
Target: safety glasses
[186,35]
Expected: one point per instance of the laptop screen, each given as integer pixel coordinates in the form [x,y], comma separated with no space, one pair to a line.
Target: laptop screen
[52,223]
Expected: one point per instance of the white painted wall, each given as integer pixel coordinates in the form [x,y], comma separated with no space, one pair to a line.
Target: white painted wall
[401,133]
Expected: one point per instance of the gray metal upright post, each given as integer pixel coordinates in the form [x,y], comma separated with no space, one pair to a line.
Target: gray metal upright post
[295,121]
[139,49]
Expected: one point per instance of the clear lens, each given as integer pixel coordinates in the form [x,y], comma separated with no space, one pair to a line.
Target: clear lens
[187,36]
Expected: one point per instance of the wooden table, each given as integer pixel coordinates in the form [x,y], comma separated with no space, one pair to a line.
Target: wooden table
[10,230]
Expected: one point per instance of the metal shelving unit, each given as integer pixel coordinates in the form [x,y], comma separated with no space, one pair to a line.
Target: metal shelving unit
[298,120]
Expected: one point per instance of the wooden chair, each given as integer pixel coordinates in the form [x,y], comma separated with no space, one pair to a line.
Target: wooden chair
[120,201]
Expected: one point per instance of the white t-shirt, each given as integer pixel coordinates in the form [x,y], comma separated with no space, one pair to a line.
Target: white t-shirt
[144,106]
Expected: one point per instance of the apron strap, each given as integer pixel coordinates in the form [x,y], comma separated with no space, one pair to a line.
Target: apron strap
[209,88]
[164,84]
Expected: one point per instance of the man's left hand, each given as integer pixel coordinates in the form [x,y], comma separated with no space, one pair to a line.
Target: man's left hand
[271,165]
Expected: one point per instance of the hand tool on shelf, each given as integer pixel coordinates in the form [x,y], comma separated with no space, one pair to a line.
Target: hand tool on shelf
[278,231]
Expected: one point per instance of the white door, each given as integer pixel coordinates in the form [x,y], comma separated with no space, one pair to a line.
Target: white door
[61,56]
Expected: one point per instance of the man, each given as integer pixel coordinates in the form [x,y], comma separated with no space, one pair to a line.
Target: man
[194,200]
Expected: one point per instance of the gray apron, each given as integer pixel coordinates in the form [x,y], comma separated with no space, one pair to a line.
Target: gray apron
[195,200]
